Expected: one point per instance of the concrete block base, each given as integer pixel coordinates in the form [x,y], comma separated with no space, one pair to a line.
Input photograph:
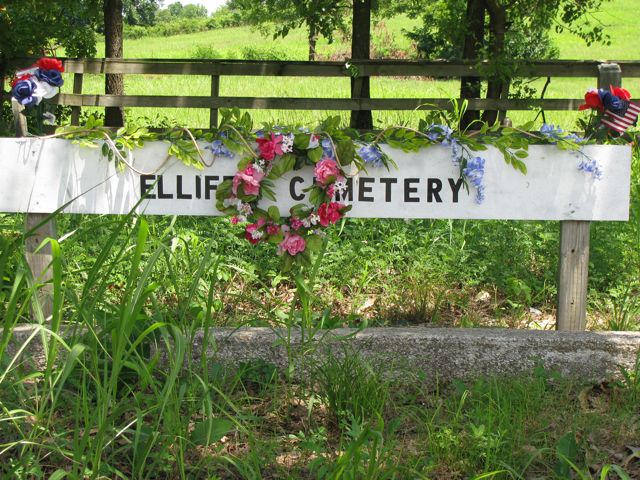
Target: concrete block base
[442,353]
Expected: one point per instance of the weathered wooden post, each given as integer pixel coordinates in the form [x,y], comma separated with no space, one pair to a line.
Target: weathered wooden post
[77,89]
[360,50]
[215,93]
[573,276]
[574,246]
[39,260]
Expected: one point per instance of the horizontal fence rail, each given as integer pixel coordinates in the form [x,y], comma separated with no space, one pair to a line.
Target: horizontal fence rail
[361,68]
[366,68]
[290,103]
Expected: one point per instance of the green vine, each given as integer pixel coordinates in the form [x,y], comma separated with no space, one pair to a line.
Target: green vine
[236,131]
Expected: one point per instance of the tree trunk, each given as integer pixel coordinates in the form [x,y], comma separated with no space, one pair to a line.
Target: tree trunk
[313,38]
[470,87]
[114,83]
[497,86]
[360,45]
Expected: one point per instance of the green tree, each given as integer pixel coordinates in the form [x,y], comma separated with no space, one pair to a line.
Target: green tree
[140,12]
[34,27]
[500,31]
[319,17]
[194,11]
[113,43]
[175,9]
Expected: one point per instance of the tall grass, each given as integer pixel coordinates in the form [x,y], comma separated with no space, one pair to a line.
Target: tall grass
[116,396]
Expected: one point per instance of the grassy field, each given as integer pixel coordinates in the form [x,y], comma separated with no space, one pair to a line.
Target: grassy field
[619,19]
[235,42]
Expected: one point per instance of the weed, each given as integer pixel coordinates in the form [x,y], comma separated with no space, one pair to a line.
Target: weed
[350,387]
[631,380]
[257,375]
[623,308]
[263,53]
[104,405]
[366,453]
[205,52]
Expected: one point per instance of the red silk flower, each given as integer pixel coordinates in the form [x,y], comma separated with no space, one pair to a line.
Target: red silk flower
[19,79]
[50,64]
[330,213]
[621,93]
[270,147]
[592,100]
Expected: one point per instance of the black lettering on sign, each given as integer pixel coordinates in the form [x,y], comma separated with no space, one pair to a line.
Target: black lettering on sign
[292,189]
[348,193]
[209,186]
[434,185]
[227,177]
[363,189]
[455,188]
[198,187]
[180,194]
[387,187]
[161,193]
[408,189]
[146,183]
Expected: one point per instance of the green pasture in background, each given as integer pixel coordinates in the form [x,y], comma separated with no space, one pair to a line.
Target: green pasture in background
[388,41]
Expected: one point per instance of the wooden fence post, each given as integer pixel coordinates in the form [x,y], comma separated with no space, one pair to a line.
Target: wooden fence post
[361,50]
[215,93]
[573,276]
[574,246]
[39,260]
[77,89]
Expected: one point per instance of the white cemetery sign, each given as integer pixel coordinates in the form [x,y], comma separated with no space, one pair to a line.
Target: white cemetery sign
[40,176]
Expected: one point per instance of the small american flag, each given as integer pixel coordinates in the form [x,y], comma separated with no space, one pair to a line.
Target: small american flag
[623,119]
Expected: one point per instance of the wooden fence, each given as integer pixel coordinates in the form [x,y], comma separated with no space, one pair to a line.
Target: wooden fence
[574,237]
[216,69]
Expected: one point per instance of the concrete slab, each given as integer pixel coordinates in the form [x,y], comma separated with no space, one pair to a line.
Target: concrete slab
[443,353]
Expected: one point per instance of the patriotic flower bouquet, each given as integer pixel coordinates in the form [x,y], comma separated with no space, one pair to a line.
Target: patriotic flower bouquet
[613,108]
[43,80]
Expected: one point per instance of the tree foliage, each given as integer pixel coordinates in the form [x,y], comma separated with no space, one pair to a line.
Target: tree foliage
[176,11]
[37,27]
[319,17]
[527,26]
[140,12]
[34,27]
[501,32]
